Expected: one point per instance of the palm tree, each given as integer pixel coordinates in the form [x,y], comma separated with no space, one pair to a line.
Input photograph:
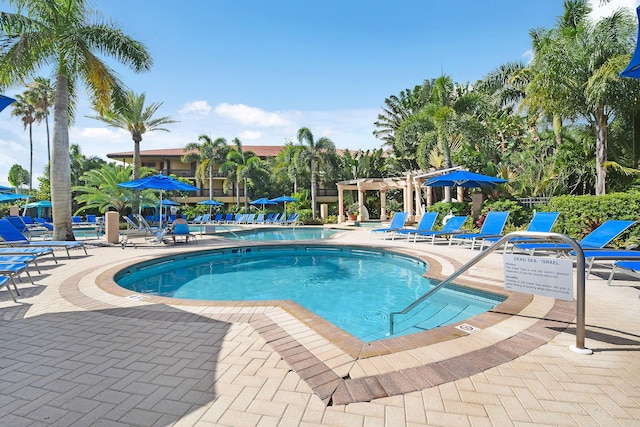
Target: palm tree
[43,95]
[101,190]
[208,153]
[25,108]
[59,32]
[575,73]
[315,152]
[132,115]
[238,166]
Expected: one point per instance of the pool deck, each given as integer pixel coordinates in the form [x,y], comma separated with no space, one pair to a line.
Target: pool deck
[77,351]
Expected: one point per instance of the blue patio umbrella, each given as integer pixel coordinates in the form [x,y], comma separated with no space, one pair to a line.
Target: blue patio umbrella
[262,201]
[5,189]
[5,101]
[210,203]
[284,199]
[10,197]
[158,182]
[466,179]
[633,69]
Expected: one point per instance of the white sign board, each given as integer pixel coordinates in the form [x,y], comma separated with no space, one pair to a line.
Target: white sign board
[549,277]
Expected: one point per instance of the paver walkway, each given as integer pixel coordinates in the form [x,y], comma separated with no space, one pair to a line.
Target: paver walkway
[73,354]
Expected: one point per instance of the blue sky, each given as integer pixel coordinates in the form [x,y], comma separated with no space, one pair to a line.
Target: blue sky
[259,70]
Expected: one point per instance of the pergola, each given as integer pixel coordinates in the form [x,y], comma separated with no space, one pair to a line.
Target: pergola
[411,184]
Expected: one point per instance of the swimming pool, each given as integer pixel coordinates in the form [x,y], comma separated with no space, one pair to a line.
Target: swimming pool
[282,233]
[355,288]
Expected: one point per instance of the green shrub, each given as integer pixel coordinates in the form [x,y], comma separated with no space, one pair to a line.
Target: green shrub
[332,219]
[519,216]
[579,215]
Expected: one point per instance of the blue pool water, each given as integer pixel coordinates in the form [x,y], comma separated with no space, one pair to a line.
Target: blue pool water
[354,288]
[299,233]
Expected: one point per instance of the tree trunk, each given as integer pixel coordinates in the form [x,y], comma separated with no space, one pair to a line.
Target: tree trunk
[602,131]
[30,158]
[246,206]
[313,188]
[61,164]
[135,205]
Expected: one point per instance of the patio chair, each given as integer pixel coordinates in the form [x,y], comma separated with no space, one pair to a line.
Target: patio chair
[23,259]
[397,223]
[597,239]
[629,267]
[181,229]
[12,237]
[218,219]
[453,226]
[259,219]
[541,222]
[592,256]
[228,218]
[426,224]
[492,226]
[268,219]
[291,220]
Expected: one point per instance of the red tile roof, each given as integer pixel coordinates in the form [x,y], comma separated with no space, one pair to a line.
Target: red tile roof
[259,150]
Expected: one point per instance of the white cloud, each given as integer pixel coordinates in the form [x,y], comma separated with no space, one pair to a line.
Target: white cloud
[200,108]
[251,115]
[601,11]
[250,135]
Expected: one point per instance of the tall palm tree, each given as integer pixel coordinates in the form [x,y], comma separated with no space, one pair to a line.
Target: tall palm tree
[131,114]
[238,167]
[314,151]
[208,153]
[59,33]
[43,95]
[575,73]
[25,108]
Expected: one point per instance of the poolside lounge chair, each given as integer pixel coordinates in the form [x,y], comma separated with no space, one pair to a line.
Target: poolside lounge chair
[14,269]
[12,237]
[218,219]
[426,224]
[37,252]
[630,267]
[23,259]
[4,280]
[492,226]
[259,219]
[597,239]
[397,223]
[453,226]
[591,256]
[541,222]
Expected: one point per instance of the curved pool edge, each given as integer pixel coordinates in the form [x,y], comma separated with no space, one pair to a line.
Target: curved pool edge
[354,347]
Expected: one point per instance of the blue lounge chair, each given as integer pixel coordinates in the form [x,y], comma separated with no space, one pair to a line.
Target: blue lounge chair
[541,222]
[291,220]
[426,224]
[453,226]
[597,239]
[4,280]
[397,223]
[37,252]
[259,219]
[228,218]
[218,218]
[23,259]
[13,237]
[13,269]
[591,256]
[630,267]
[491,227]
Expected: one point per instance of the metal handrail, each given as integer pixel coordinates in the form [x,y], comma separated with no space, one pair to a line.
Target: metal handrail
[580,279]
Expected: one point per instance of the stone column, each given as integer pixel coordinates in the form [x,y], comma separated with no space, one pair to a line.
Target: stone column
[409,199]
[112,227]
[340,204]
[360,203]
[383,204]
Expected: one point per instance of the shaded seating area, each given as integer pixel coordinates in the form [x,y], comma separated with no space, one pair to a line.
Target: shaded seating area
[492,226]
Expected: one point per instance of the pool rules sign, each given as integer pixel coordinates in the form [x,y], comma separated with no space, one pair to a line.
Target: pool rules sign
[550,277]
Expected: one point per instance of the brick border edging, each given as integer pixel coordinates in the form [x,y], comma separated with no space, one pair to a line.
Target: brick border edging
[325,383]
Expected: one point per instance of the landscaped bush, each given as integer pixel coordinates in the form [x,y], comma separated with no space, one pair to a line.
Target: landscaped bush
[443,209]
[332,219]
[579,215]
[519,216]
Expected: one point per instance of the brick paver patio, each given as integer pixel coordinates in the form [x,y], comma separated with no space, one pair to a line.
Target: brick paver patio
[73,353]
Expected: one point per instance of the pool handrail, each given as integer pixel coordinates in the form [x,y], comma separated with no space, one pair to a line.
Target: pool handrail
[580,281]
